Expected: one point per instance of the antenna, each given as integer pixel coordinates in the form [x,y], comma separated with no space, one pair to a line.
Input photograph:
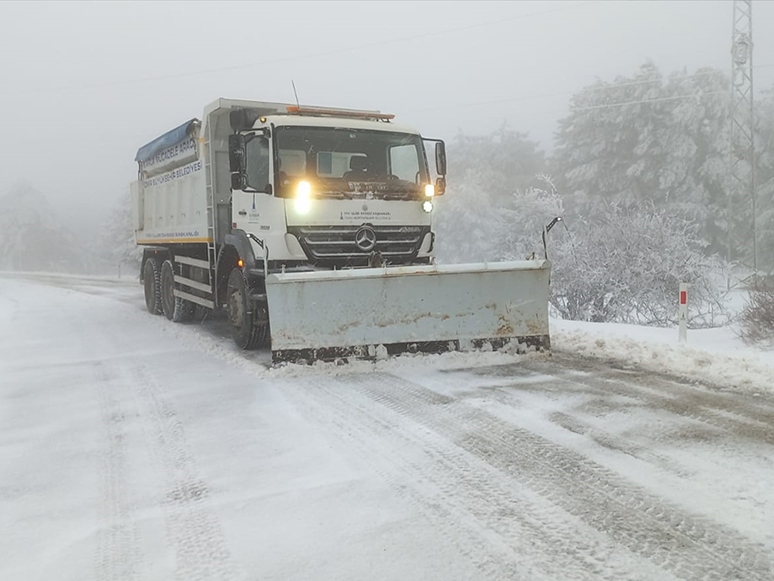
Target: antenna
[292,82]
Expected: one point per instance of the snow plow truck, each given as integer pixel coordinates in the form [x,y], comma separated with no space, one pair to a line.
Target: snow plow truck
[312,228]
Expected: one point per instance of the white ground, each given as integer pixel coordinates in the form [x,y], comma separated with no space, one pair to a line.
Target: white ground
[132,448]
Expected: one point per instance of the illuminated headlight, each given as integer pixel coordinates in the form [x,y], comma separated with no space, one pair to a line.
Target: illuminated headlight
[427,206]
[429,191]
[303,201]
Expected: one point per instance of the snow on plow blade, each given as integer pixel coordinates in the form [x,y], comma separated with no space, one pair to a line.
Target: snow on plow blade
[374,312]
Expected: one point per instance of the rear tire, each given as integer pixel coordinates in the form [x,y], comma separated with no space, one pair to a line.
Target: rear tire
[175,308]
[244,331]
[151,277]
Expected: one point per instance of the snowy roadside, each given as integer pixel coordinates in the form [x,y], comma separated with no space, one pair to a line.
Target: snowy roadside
[716,356]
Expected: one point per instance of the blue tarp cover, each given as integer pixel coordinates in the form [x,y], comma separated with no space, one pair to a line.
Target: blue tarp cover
[169,139]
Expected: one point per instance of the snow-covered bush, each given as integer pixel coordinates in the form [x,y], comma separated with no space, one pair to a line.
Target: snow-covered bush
[627,266]
[757,318]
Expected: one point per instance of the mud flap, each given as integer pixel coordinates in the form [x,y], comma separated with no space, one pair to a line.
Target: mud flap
[375,312]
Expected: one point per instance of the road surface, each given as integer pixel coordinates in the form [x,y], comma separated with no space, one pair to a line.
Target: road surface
[132,448]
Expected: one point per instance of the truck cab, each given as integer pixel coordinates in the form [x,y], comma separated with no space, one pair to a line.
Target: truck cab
[333,188]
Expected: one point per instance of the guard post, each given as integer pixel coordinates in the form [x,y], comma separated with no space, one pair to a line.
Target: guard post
[682,314]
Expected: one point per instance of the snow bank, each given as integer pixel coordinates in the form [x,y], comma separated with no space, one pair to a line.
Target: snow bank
[714,356]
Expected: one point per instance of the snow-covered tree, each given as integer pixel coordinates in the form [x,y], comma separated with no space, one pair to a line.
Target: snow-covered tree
[119,237]
[503,161]
[484,173]
[647,139]
[523,220]
[467,220]
[765,178]
[600,158]
[34,238]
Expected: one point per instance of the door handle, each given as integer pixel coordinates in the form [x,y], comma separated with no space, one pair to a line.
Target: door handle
[243,212]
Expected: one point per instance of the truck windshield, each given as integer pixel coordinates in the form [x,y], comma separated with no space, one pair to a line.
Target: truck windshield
[341,162]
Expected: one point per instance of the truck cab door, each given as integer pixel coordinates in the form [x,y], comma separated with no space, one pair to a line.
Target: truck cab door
[246,203]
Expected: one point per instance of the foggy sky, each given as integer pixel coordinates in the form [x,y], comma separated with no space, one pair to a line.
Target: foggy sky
[84,85]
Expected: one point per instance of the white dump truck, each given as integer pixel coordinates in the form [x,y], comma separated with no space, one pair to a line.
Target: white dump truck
[313,229]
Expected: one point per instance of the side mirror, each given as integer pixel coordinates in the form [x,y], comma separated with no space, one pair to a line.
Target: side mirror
[440,186]
[238,181]
[237,153]
[440,158]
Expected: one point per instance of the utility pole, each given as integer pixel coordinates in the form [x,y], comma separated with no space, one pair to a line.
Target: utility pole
[742,207]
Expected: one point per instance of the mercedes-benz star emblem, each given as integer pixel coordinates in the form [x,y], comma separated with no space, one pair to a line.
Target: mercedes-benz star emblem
[365,238]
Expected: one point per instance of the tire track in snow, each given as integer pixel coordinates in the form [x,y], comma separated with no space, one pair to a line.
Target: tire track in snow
[505,531]
[118,554]
[737,414]
[689,547]
[367,435]
[193,529]
[508,396]
[617,443]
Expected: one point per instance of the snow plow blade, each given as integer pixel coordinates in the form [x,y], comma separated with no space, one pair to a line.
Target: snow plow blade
[375,312]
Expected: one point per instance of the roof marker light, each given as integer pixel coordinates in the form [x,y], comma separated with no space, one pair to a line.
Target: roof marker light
[332,112]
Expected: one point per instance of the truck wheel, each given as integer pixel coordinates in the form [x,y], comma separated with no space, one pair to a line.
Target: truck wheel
[246,334]
[152,282]
[175,309]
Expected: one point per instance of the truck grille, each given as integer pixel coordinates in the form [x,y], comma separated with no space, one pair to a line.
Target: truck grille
[397,244]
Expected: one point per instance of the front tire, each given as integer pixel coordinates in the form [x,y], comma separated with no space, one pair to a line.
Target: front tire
[175,308]
[151,277]
[244,331]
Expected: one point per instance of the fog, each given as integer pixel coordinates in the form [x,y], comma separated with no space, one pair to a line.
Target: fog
[84,85]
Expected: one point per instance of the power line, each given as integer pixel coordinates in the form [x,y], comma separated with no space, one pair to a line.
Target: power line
[584,89]
[564,93]
[641,101]
[200,72]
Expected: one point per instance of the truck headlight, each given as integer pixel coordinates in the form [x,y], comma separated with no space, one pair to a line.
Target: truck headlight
[429,190]
[303,201]
[427,206]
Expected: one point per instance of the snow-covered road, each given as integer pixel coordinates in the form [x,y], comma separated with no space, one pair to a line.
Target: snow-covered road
[132,448]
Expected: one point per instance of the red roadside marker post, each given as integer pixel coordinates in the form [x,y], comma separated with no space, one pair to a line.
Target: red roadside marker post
[682,315]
